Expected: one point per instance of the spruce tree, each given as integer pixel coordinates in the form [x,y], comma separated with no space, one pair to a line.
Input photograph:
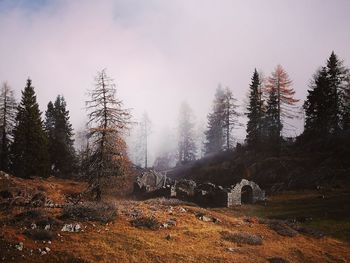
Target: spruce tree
[8,110]
[29,149]
[60,138]
[272,123]
[336,74]
[318,110]
[255,113]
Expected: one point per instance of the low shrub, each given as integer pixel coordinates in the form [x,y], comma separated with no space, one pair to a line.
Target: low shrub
[146,222]
[102,212]
[242,238]
[39,234]
[282,229]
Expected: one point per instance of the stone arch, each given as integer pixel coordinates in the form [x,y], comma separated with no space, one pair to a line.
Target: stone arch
[256,193]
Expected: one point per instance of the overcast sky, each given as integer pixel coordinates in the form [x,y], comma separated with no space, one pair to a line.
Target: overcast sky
[163,52]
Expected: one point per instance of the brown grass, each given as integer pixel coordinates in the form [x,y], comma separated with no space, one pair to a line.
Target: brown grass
[192,240]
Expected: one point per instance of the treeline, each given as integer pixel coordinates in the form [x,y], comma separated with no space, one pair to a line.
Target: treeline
[31,146]
[271,107]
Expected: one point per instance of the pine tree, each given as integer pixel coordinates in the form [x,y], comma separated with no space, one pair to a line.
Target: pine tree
[318,114]
[336,74]
[107,121]
[60,138]
[29,149]
[8,109]
[281,101]
[230,116]
[272,123]
[186,143]
[327,106]
[255,113]
[215,133]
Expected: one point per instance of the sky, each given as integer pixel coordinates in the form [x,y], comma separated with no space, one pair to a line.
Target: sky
[161,53]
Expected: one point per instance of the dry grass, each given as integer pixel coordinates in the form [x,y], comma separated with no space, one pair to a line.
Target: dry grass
[192,240]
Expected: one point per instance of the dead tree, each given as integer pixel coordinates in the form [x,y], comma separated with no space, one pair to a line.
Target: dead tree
[107,121]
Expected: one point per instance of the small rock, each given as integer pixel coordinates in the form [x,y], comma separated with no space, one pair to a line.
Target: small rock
[168,237]
[182,210]
[205,218]
[19,246]
[71,228]
[47,249]
[33,226]
[47,227]
[232,249]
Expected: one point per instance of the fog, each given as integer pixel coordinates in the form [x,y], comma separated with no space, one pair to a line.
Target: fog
[161,53]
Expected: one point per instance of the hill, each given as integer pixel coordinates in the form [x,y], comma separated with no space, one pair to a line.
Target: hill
[50,221]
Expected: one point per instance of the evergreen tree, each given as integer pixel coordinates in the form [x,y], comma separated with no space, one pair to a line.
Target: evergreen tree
[336,74]
[186,143]
[327,106]
[318,114]
[8,110]
[29,149]
[272,123]
[255,112]
[60,135]
[215,134]
[230,116]
[107,121]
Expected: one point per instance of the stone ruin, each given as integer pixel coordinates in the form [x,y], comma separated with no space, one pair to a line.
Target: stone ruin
[154,184]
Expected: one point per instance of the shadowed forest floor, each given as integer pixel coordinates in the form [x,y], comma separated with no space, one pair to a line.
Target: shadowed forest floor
[162,230]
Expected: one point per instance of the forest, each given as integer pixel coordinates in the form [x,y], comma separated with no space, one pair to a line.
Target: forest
[174,131]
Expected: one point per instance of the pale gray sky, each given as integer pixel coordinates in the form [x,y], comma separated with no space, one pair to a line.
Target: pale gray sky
[163,52]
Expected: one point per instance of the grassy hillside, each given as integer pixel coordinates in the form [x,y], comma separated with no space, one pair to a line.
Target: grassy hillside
[157,230]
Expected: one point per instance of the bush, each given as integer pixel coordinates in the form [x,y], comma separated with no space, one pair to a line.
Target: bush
[102,212]
[39,234]
[282,229]
[146,222]
[242,238]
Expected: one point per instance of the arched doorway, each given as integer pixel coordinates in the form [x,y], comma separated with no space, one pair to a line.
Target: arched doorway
[246,195]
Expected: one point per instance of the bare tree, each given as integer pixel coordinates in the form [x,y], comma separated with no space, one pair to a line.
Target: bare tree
[8,111]
[107,122]
[186,142]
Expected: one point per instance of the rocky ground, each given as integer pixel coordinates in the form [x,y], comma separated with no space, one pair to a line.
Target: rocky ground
[48,221]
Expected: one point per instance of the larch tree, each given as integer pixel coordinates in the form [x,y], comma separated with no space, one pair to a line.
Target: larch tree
[145,129]
[229,116]
[8,110]
[60,138]
[214,134]
[186,141]
[107,120]
[281,101]
[29,151]
[255,112]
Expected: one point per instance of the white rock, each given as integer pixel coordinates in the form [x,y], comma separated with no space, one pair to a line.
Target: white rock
[33,226]
[19,246]
[47,227]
